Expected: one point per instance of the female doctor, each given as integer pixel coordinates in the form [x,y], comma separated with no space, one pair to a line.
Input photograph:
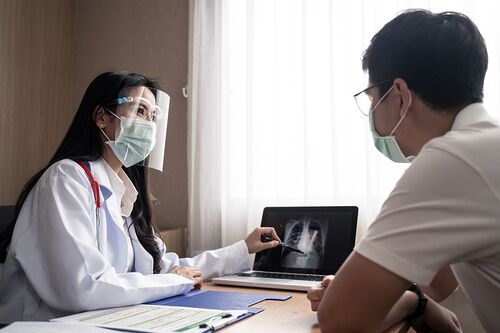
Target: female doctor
[84,237]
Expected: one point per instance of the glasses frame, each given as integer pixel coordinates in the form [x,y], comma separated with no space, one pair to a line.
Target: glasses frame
[365,90]
[158,112]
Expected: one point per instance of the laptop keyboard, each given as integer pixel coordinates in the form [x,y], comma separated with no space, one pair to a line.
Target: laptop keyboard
[288,276]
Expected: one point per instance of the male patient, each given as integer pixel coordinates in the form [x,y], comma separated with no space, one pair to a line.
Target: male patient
[441,223]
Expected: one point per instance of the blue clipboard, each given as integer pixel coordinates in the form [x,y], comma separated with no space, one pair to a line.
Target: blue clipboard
[221,300]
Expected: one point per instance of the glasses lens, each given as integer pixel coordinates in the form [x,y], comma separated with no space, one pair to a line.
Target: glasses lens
[364,102]
[140,108]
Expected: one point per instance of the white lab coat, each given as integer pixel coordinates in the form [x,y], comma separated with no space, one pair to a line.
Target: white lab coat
[56,265]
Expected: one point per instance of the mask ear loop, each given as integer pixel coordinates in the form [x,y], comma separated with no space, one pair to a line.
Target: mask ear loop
[382,99]
[107,137]
[403,117]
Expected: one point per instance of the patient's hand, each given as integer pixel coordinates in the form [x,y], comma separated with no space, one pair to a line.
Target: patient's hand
[315,294]
[436,318]
[191,273]
[255,243]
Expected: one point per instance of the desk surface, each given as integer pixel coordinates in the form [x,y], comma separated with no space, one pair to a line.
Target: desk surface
[292,316]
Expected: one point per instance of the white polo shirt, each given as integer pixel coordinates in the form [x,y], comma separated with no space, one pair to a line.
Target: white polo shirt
[444,210]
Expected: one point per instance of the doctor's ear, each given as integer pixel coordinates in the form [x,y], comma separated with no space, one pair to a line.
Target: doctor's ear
[101,117]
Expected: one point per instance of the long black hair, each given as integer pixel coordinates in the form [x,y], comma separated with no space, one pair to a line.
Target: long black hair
[83,142]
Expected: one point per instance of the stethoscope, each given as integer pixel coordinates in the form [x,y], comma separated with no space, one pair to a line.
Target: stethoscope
[94,184]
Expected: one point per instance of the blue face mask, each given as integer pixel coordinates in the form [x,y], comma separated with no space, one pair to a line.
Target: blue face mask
[388,145]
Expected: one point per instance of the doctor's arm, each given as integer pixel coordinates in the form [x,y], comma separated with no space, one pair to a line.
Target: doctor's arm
[229,259]
[60,255]
[365,297]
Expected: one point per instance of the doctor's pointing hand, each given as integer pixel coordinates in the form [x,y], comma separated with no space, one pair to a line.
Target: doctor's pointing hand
[253,242]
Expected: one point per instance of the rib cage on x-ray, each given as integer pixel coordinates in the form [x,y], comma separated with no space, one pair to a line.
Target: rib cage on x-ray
[308,235]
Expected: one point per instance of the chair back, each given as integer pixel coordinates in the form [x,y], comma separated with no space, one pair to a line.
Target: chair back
[6,216]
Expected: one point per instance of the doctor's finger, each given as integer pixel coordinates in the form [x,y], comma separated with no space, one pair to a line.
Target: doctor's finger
[268,245]
[186,272]
[198,283]
[190,271]
[195,272]
[271,231]
[189,268]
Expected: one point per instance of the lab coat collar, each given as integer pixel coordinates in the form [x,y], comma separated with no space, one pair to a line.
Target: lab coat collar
[118,184]
[113,215]
[101,176]
[471,114]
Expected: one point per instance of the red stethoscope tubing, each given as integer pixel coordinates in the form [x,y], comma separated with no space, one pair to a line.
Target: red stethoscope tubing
[93,183]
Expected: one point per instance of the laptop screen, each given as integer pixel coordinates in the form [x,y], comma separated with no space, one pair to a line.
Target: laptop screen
[326,235]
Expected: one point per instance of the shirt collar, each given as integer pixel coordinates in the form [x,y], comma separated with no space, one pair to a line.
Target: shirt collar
[471,114]
[123,189]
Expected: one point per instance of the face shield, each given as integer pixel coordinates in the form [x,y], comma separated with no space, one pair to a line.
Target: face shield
[140,138]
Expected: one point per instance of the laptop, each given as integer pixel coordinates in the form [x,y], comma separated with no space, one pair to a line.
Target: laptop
[325,235]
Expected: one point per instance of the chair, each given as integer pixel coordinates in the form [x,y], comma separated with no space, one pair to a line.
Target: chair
[6,216]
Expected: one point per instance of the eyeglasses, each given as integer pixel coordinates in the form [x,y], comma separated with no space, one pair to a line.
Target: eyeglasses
[138,108]
[364,100]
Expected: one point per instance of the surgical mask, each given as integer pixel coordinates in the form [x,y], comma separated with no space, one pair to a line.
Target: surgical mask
[388,145]
[134,142]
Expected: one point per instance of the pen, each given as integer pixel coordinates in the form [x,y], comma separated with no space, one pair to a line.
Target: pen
[215,319]
[267,238]
[221,324]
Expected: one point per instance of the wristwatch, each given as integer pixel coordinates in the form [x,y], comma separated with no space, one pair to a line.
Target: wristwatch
[422,302]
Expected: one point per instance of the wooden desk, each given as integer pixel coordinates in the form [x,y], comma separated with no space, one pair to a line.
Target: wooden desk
[291,316]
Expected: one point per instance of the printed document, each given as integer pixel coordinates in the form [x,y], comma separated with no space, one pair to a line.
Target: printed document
[157,318]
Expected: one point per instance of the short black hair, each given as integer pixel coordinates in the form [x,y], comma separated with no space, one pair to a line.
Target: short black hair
[442,57]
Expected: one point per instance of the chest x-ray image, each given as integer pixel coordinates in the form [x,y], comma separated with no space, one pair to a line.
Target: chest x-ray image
[309,236]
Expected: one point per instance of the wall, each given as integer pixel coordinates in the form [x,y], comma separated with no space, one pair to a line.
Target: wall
[35,87]
[149,37]
[50,50]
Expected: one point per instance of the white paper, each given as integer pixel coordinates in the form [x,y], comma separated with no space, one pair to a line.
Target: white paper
[51,327]
[155,318]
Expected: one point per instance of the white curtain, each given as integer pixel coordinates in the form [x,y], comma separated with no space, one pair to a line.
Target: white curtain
[272,120]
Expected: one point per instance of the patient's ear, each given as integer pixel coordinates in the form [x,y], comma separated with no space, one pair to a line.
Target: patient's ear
[404,92]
